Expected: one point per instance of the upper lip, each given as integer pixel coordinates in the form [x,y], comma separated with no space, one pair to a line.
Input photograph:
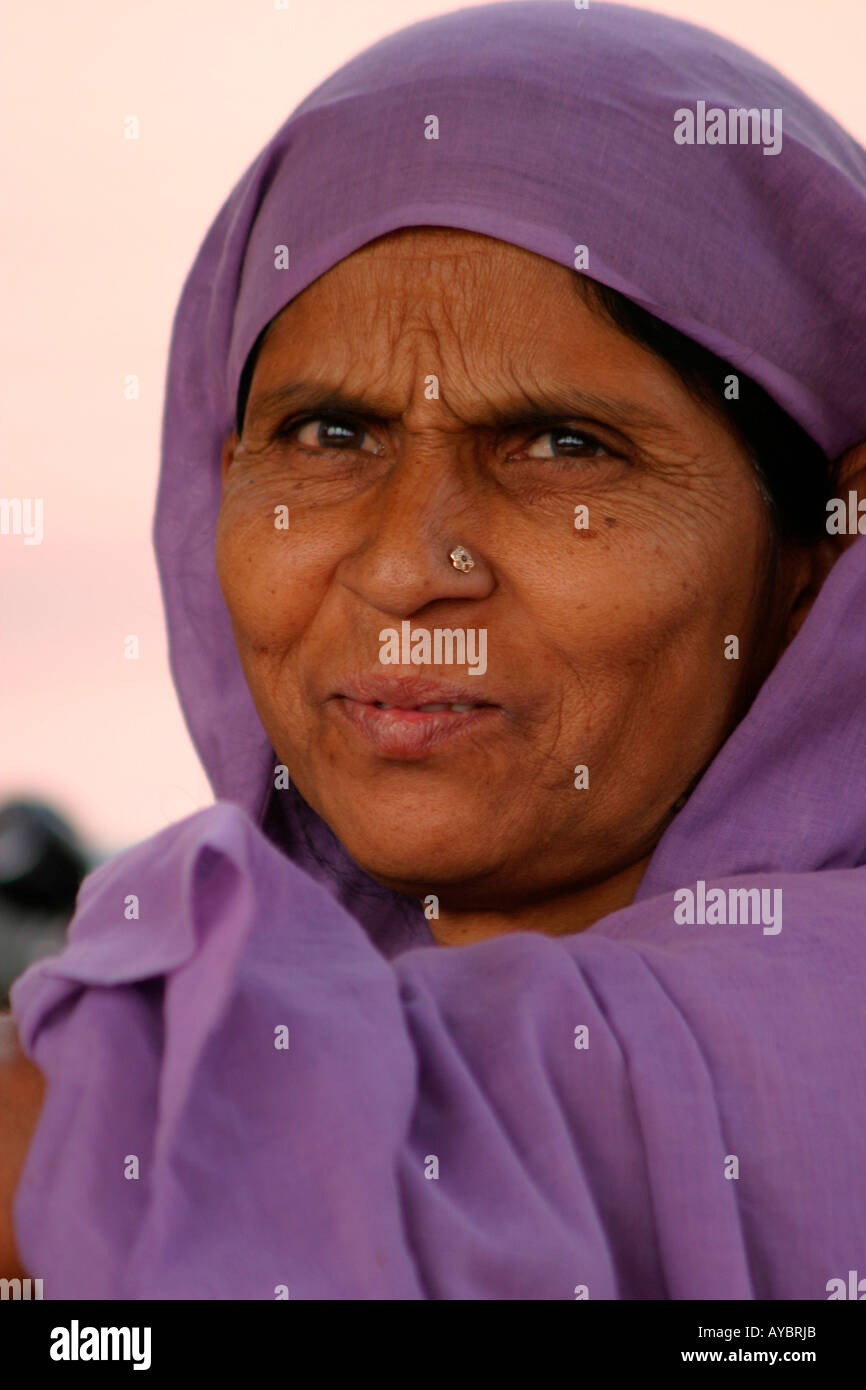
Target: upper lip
[408,692]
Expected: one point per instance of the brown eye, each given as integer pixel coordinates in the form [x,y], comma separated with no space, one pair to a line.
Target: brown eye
[327,432]
[567,442]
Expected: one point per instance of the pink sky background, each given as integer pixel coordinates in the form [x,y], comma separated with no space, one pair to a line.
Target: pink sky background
[98,234]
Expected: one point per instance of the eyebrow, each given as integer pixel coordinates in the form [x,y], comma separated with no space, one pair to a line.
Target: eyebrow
[525,409]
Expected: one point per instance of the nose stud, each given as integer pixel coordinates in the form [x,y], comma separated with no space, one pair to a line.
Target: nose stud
[461,559]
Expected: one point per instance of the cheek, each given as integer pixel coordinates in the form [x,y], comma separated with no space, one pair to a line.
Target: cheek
[642,606]
[268,578]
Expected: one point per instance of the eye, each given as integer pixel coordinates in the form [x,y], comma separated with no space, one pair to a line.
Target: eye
[327,432]
[567,441]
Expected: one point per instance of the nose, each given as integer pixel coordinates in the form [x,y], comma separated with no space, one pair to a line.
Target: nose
[430,505]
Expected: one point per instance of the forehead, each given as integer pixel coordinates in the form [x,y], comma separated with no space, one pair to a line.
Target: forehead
[460,288]
[500,322]
[418,269]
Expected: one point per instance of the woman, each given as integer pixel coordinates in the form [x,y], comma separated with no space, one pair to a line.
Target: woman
[501,426]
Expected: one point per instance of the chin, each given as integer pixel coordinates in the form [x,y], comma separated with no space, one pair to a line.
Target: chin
[416,857]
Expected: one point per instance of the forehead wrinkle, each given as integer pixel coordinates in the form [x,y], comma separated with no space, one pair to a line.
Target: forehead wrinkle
[445,297]
[498,407]
[481,378]
[408,349]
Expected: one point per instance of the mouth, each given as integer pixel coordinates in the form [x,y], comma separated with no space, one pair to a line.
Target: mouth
[406,719]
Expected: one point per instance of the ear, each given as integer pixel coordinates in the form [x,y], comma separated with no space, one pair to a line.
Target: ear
[814,562]
[228,450]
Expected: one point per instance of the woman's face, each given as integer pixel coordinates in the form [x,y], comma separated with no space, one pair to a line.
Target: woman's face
[440,388]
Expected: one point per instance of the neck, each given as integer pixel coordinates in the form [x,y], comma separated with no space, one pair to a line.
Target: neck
[561,915]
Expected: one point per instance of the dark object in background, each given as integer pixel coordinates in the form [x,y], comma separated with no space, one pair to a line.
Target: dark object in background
[41,860]
[42,864]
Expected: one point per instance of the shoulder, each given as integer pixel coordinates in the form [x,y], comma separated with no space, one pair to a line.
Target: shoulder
[22,1088]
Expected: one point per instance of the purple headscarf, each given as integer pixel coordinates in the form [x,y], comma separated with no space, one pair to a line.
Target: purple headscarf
[648,1109]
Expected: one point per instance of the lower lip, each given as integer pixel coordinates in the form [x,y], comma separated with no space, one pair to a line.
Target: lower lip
[412,733]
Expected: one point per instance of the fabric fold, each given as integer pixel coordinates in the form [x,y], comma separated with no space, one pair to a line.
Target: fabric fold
[310,1167]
